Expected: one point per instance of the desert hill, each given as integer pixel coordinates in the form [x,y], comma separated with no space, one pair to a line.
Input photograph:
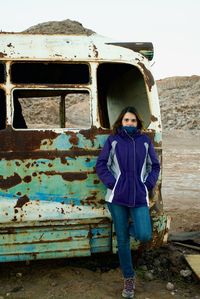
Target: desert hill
[180,102]
[59,27]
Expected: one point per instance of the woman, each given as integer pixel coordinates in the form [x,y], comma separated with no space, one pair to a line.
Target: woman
[129,168]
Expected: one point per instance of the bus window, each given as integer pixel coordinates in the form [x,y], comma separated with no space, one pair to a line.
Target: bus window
[2,72]
[49,73]
[2,110]
[49,109]
[120,85]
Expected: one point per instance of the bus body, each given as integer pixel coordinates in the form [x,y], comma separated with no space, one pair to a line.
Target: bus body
[59,96]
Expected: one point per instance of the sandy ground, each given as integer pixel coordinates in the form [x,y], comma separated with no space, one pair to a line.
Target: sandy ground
[100,277]
[181,179]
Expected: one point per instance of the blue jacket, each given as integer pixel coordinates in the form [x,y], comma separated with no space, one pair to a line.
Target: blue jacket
[128,166]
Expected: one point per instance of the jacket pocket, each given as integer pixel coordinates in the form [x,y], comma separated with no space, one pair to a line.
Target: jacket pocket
[121,190]
[117,179]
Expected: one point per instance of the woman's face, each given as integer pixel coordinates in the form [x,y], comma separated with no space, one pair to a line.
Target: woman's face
[129,120]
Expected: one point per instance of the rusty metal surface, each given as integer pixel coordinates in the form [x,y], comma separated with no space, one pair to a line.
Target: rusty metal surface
[61,46]
[23,243]
[147,76]
[145,49]
[50,167]
[51,200]
[47,176]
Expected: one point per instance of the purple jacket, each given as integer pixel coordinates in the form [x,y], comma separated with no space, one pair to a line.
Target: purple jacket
[128,166]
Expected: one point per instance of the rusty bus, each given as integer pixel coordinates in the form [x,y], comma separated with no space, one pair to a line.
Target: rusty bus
[59,96]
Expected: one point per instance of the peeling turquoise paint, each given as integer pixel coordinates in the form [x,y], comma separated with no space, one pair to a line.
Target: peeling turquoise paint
[159,222]
[61,142]
[51,200]
[100,140]
[158,137]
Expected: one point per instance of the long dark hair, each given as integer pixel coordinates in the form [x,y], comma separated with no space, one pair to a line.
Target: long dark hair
[118,121]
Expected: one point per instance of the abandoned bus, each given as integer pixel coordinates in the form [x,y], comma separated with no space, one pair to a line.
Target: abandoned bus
[59,96]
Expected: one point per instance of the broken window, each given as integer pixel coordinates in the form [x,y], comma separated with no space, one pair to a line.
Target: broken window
[49,109]
[2,72]
[2,110]
[120,85]
[49,73]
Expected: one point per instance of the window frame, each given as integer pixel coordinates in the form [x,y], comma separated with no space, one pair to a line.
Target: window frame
[3,73]
[50,62]
[57,129]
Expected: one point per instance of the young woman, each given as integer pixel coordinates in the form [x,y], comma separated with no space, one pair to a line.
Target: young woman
[129,168]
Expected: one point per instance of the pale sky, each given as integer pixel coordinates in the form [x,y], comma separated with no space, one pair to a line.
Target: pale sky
[172,25]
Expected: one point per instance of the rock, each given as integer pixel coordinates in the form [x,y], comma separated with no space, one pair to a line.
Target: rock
[19,275]
[186,273]
[77,272]
[157,262]
[17,289]
[143,267]
[148,275]
[170,286]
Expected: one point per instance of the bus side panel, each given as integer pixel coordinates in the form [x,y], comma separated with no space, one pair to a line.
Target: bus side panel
[51,199]
[52,202]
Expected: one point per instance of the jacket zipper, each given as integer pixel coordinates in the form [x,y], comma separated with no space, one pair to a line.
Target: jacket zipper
[134,168]
[132,139]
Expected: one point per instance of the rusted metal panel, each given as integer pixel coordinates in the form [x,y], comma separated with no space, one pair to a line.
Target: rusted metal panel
[101,240]
[62,179]
[145,49]
[47,185]
[59,47]
[52,202]
[83,49]
[51,178]
[21,243]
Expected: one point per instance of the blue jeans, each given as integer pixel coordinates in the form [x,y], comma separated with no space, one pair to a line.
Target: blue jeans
[139,228]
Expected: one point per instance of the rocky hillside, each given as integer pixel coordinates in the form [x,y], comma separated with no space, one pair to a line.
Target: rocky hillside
[179,96]
[180,102]
[59,27]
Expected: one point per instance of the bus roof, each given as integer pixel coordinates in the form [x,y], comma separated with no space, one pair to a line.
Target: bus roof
[21,46]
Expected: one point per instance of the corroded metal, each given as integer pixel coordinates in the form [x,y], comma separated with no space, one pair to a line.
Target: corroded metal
[51,200]
[147,76]
[145,49]
[61,184]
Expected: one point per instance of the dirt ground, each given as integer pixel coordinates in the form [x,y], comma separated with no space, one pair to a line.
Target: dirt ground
[181,179]
[99,277]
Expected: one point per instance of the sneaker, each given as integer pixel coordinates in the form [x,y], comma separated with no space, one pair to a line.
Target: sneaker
[129,287]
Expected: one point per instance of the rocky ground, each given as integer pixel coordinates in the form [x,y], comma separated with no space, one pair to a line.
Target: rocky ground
[180,102]
[99,278]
